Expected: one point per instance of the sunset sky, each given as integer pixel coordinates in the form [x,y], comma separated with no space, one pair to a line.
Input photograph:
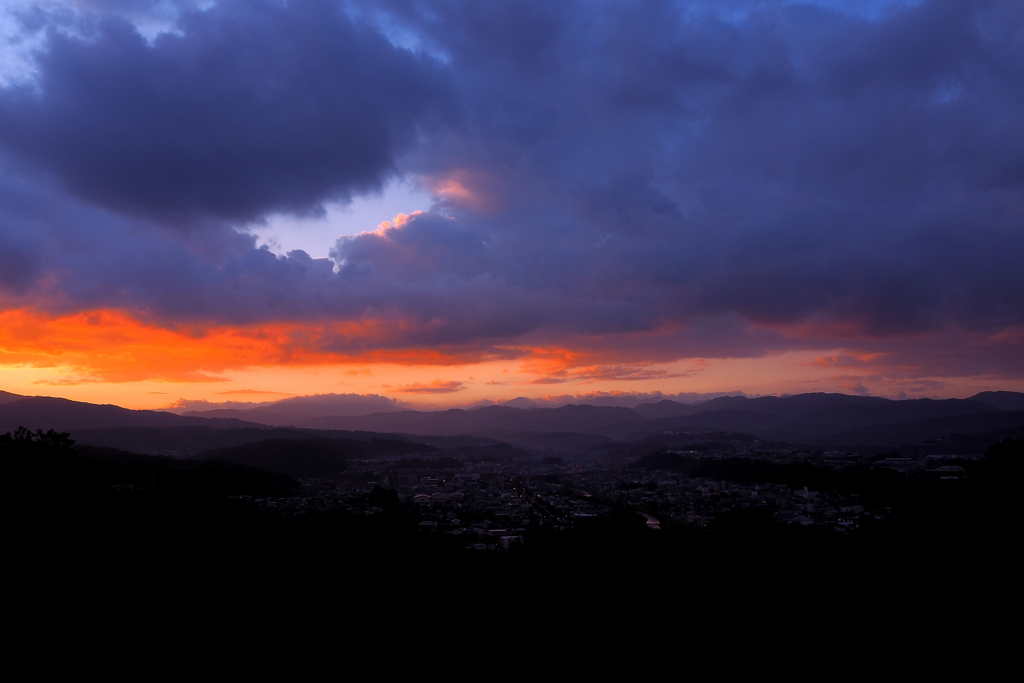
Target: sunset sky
[446,202]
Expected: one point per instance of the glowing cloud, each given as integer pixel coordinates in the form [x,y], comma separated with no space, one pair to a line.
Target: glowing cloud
[438,386]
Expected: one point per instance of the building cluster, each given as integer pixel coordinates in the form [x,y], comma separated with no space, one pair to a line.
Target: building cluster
[493,504]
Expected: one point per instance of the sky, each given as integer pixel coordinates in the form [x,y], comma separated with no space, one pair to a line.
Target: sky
[451,201]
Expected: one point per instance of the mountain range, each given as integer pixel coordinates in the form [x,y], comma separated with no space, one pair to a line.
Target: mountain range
[804,418]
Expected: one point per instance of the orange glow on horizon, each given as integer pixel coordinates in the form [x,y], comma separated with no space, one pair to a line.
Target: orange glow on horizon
[846,360]
[111,346]
[111,356]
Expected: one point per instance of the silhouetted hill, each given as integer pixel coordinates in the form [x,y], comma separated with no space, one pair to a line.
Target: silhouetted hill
[49,471]
[965,433]
[294,457]
[175,441]
[189,441]
[726,420]
[310,457]
[209,479]
[8,397]
[41,412]
[833,417]
[791,407]
[806,418]
[572,442]
[850,416]
[665,408]
[484,421]
[520,402]
[1003,400]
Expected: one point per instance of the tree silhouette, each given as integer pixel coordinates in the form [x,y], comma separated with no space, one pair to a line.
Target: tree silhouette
[23,440]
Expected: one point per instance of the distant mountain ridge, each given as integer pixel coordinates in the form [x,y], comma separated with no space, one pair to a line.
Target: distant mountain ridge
[1004,400]
[290,411]
[64,415]
[8,397]
[485,421]
[802,418]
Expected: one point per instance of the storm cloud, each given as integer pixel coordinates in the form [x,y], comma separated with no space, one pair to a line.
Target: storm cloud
[248,108]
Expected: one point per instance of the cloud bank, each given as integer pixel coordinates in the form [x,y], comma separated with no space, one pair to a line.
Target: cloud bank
[638,184]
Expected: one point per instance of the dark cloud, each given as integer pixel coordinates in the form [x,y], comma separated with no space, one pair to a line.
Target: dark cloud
[798,163]
[19,259]
[656,181]
[251,107]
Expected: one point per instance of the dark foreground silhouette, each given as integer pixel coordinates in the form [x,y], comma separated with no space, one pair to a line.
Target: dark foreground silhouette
[109,523]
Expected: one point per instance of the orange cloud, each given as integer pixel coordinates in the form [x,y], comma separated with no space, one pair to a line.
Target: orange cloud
[843,360]
[110,346]
[641,371]
[399,221]
[474,189]
[558,365]
[553,362]
[438,386]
